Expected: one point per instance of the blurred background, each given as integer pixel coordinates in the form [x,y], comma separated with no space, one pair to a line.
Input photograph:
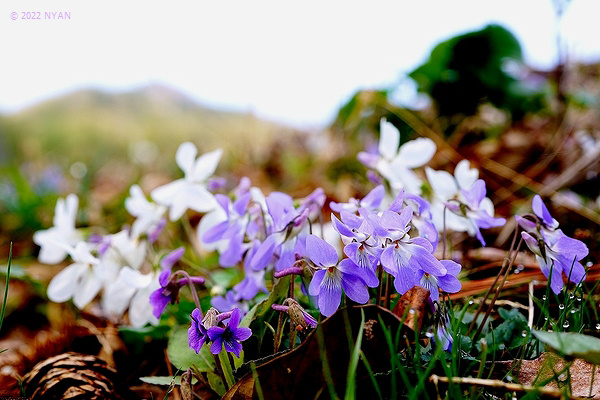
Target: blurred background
[100,95]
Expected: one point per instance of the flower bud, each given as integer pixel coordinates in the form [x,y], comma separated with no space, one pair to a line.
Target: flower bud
[211,318]
[298,315]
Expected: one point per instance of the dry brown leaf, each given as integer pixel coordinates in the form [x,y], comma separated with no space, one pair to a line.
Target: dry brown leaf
[411,308]
[548,365]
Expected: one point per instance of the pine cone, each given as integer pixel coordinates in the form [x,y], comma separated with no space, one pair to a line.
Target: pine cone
[71,376]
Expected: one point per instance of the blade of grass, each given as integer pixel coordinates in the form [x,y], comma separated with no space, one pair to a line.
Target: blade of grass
[351,377]
[6,287]
[326,370]
[259,392]
[371,375]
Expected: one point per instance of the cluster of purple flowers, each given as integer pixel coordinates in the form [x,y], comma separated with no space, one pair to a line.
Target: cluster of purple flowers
[376,237]
[555,252]
[262,233]
[209,329]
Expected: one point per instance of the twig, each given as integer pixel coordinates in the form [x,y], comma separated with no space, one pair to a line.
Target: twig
[503,272]
[498,384]
[509,303]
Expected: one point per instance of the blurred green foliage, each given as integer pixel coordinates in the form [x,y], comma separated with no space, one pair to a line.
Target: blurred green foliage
[478,66]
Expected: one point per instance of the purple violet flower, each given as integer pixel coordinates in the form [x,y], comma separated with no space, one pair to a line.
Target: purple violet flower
[168,292]
[288,223]
[232,228]
[164,294]
[371,201]
[197,333]
[442,336]
[157,230]
[558,254]
[333,276]
[405,257]
[230,301]
[555,252]
[448,282]
[171,258]
[477,209]
[230,336]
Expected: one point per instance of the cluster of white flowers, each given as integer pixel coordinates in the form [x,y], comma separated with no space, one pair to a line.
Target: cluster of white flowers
[119,266]
[396,164]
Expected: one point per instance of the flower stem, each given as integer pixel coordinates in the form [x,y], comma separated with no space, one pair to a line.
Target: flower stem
[292,336]
[388,291]
[220,371]
[189,231]
[444,237]
[231,363]
[278,333]
[380,286]
[190,281]
[291,290]
[226,367]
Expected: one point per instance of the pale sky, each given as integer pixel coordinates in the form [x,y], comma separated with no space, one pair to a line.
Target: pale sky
[293,62]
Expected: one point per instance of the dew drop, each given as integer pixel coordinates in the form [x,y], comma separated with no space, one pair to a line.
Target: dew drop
[429,334]
[509,378]
[501,346]
[561,306]
[589,264]
[516,271]
[544,297]
[566,324]
[574,310]
[520,267]
[471,302]
[578,298]
[571,296]
[411,311]
[524,333]
[545,318]
[598,327]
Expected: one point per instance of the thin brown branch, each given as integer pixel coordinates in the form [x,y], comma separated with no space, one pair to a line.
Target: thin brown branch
[498,384]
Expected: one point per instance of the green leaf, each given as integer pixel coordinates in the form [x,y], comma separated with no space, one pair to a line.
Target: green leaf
[164,380]
[508,333]
[512,314]
[279,291]
[249,317]
[216,383]
[183,357]
[572,344]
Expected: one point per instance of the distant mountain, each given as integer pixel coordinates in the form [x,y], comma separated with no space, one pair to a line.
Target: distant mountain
[93,126]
